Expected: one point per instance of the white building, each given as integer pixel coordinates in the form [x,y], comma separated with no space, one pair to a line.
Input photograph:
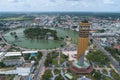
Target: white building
[13,54]
[22,71]
[29,52]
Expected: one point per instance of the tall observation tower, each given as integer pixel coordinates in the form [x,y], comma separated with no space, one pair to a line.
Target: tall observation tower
[82,66]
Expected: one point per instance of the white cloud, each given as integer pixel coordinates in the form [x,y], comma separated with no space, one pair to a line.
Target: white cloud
[16,0]
[59,5]
[108,1]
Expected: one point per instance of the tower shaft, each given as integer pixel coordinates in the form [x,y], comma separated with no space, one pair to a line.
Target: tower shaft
[80,65]
[82,41]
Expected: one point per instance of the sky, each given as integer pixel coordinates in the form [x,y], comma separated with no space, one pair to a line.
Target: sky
[60,5]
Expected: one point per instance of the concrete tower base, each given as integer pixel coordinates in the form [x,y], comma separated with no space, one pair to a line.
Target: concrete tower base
[85,68]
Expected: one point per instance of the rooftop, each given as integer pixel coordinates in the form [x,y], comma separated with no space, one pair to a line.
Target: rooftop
[28,52]
[84,21]
[13,54]
[68,76]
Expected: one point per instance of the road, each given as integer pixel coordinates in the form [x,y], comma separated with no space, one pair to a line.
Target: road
[2,56]
[113,62]
[40,67]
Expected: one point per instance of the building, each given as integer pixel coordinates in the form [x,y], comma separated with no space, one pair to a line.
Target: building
[11,61]
[25,70]
[13,58]
[117,47]
[80,65]
[29,52]
[107,34]
[8,54]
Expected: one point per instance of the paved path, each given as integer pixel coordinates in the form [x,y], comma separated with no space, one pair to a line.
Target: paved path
[52,71]
[62,74]
[40,67]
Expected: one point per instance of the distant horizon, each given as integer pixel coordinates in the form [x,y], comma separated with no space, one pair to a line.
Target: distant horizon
[56,12]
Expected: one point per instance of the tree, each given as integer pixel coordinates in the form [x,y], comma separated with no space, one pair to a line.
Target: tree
[47,75]
[59,78]
[14,33]
[36,63]
[16,37]
[39,55]
[101,31]
[11,33]
[97,76]
[2,64]
[61,38]
[91,40]
[48,61]
[61,45]
[39,33]
[98,57]
[33,58]
[0,39]
[1,24]
[26,56]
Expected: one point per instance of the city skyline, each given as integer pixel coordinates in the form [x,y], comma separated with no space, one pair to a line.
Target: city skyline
[59,6]
[39,43]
